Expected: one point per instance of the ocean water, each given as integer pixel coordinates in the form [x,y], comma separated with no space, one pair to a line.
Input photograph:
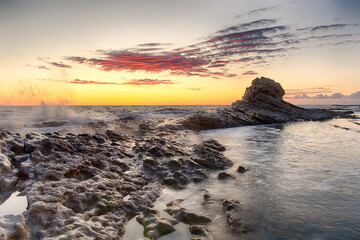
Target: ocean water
[50,118]
[303,180]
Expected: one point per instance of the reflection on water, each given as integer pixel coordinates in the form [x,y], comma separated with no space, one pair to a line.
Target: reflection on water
[304,178]
[303,182]
[13,204]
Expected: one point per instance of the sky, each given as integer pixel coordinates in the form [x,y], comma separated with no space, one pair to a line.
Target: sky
[177,52]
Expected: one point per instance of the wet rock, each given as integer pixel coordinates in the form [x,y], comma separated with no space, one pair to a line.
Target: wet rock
[8,178]
[207,195]
[213,144]
[13,227]
[115,137]
[171,162]
[224,175]
[241,169]
[181,214]
[174,165]
[154,225]
[233,214]
[202,231]
[11,143]
[87,186]
[208,156]
[50,124]
[262,103]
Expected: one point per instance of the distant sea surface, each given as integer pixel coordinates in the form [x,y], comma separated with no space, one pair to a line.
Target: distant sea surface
[303,180]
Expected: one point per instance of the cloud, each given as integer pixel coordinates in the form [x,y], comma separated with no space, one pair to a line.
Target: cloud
[195,89]
[153,44]
[347,42]
[259,10]
[140,82]
[148,49]
[43,67]
[250,73]
[253,44]
[355,95]
[331,27]
[76,59]
[305,91]
[246,26]
[325,96]
[136,82]
[60,64]
[79,81]
[134,61]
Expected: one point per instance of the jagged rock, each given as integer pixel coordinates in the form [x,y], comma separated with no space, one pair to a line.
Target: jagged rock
[154,225]
[13,227]
[233,214]
[241,169]
[207,195]
[171,162]
[8,177]
[11,144]
[202,231]
[224,175]
[87,186]
[181,214]
[262,103]
[208,155]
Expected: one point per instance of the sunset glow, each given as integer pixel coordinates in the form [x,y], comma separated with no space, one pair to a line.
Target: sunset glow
[177,52]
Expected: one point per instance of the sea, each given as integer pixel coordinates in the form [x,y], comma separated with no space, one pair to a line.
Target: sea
[303,178]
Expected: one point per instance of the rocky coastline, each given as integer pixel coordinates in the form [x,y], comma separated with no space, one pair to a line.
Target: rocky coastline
[262,103]
[89,185]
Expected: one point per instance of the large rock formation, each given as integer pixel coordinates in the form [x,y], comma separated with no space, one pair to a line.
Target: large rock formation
[262,103]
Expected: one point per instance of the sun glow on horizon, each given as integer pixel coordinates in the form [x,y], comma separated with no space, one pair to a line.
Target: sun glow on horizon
[154,59]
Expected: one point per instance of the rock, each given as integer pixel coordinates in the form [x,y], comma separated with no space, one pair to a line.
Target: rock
[154,225]
[202,231]
[262,103]
[11,143]
[262,87]
[208,156]
[13,227]
[224,175]
[241,169]
[207,195]
[181,214]
[8,177]
[175,164]
[233,214]
[87,186]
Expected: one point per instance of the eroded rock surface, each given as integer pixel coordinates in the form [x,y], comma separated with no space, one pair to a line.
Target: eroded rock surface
[202,231]
[233,213]
[88,186]
[13,227]
[262,103]
[181,214]
[154,225]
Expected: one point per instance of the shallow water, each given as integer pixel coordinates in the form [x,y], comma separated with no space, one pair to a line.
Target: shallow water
[50,118]
[14,204]
[303,180]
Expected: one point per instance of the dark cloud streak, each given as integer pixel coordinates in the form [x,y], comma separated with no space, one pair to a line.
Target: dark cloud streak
[60,64]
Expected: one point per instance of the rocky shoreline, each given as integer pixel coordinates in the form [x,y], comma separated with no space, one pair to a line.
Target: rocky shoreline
[89,185]
[262,103]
